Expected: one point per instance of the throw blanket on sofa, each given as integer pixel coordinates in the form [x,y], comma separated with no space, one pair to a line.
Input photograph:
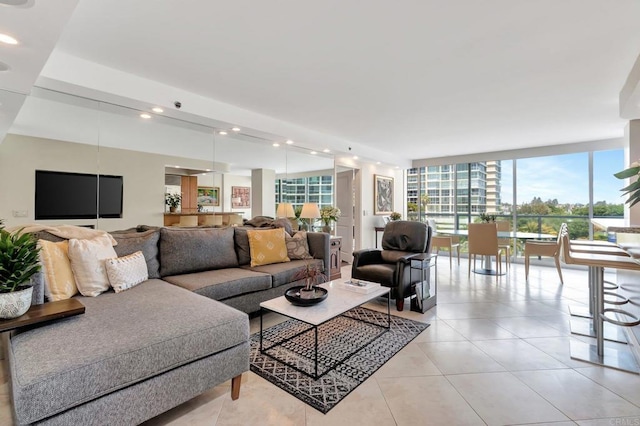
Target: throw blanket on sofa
[63,231]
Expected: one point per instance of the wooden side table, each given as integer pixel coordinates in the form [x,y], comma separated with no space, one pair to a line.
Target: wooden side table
[335,261]
[46,312]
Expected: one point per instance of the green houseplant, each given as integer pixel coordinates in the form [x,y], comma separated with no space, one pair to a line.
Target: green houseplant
[633,189]
[19,261]
[395,216]
[173,201]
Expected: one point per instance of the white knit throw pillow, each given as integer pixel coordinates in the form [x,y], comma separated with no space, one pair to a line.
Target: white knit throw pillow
[127,271]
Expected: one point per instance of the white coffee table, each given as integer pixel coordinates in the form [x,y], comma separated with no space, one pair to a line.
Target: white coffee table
[337,303]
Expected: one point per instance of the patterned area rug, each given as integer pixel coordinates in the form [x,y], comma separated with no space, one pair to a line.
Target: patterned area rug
[336,339]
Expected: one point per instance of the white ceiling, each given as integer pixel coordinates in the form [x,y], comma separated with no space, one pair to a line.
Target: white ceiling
[405,79]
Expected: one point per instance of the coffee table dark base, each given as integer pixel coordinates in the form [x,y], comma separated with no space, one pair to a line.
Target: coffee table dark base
[330,365]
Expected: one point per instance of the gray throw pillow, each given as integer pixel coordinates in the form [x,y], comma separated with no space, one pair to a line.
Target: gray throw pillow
[146,242]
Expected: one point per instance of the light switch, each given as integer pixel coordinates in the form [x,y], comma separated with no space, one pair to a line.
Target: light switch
[19,213]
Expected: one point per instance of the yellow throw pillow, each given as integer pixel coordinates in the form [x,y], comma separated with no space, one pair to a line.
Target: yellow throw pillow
[267,246]
[59,282]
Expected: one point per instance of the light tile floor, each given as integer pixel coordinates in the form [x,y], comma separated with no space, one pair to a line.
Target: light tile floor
[493,355]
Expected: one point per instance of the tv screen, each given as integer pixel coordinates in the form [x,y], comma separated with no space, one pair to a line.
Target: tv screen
[62,195]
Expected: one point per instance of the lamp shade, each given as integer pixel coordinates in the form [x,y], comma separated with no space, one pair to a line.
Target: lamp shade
[285,210]
[310,211]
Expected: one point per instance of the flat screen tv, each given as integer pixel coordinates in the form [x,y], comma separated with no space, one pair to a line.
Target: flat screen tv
[62,195]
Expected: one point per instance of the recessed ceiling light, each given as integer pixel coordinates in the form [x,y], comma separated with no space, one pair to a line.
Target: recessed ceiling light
[177,167]
[355,157]
[378,163]
[204,174]
[7,39]
[222,132]
[276,144]
[236,129]
[157,109]
[4,67]
[145,115]
[208,170]
[289,142]
[314,152]
[326,150]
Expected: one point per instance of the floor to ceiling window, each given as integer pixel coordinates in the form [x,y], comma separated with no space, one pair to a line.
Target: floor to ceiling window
[548,191]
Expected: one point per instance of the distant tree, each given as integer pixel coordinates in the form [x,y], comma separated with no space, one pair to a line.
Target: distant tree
[578,229]
[412,207]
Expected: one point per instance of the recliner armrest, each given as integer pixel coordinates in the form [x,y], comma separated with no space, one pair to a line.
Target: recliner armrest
[367,257]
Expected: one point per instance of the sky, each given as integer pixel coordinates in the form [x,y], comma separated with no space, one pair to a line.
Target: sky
[565,178]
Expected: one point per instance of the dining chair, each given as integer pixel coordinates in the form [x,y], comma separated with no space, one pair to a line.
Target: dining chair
[483,240]
[543,248]
[447,242]
[505,243]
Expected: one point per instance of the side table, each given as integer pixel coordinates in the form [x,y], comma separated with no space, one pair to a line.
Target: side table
[426,295]
[335,261]
[46,312]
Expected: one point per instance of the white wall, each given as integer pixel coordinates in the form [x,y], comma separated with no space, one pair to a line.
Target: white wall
[365,236]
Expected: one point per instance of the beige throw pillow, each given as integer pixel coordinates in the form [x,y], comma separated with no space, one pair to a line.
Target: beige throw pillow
[88,264]
[127,271]
[59,282]
[267,246]
[298,246]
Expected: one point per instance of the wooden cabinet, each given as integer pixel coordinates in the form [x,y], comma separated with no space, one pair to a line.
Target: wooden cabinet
[335,262]
[189,192]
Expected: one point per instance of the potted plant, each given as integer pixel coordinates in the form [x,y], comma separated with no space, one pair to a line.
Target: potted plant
[19,261]
[304,223]
[312,276]
[395,216]
[487,218]
[173,201]
[329,214]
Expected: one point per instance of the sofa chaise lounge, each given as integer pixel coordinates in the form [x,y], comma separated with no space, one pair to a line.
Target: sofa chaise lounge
[135,354]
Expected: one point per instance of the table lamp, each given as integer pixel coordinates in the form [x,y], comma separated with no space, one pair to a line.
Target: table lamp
[310,211]
[285,210]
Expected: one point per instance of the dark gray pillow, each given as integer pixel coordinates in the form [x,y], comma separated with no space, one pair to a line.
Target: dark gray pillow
[146,242]
[241,241]
[193,250]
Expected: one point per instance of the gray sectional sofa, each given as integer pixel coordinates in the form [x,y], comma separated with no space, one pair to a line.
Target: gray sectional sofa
[135,354]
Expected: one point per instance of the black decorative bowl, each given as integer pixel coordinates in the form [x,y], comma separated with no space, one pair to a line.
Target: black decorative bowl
[293,296]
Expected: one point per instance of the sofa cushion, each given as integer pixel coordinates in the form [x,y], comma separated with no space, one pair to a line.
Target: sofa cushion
[241,243]
[159,327]
[59,282]
[146,242]
[88,264]
[185,251]
[267,246]
[284,273]
[126,271]
[298,246]
[222,283]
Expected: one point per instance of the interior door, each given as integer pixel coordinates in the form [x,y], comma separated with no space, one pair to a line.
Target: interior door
[346,223]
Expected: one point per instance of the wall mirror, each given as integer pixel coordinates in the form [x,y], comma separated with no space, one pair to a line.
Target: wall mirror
[69,134]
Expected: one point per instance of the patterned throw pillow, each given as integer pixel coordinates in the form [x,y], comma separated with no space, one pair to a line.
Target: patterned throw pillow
[59,282]
[127,271]
[298,246]
[267,246]
[87,262]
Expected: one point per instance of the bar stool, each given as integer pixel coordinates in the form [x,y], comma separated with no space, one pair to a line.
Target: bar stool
[612,357]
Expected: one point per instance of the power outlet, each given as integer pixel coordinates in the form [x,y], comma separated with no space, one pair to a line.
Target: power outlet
[19,213]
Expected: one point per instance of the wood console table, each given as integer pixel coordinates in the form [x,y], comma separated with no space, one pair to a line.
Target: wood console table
[46,312]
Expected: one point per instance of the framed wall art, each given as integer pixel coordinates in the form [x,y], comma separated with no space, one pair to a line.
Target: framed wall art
[208,195]
[383,195]
[240,197]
